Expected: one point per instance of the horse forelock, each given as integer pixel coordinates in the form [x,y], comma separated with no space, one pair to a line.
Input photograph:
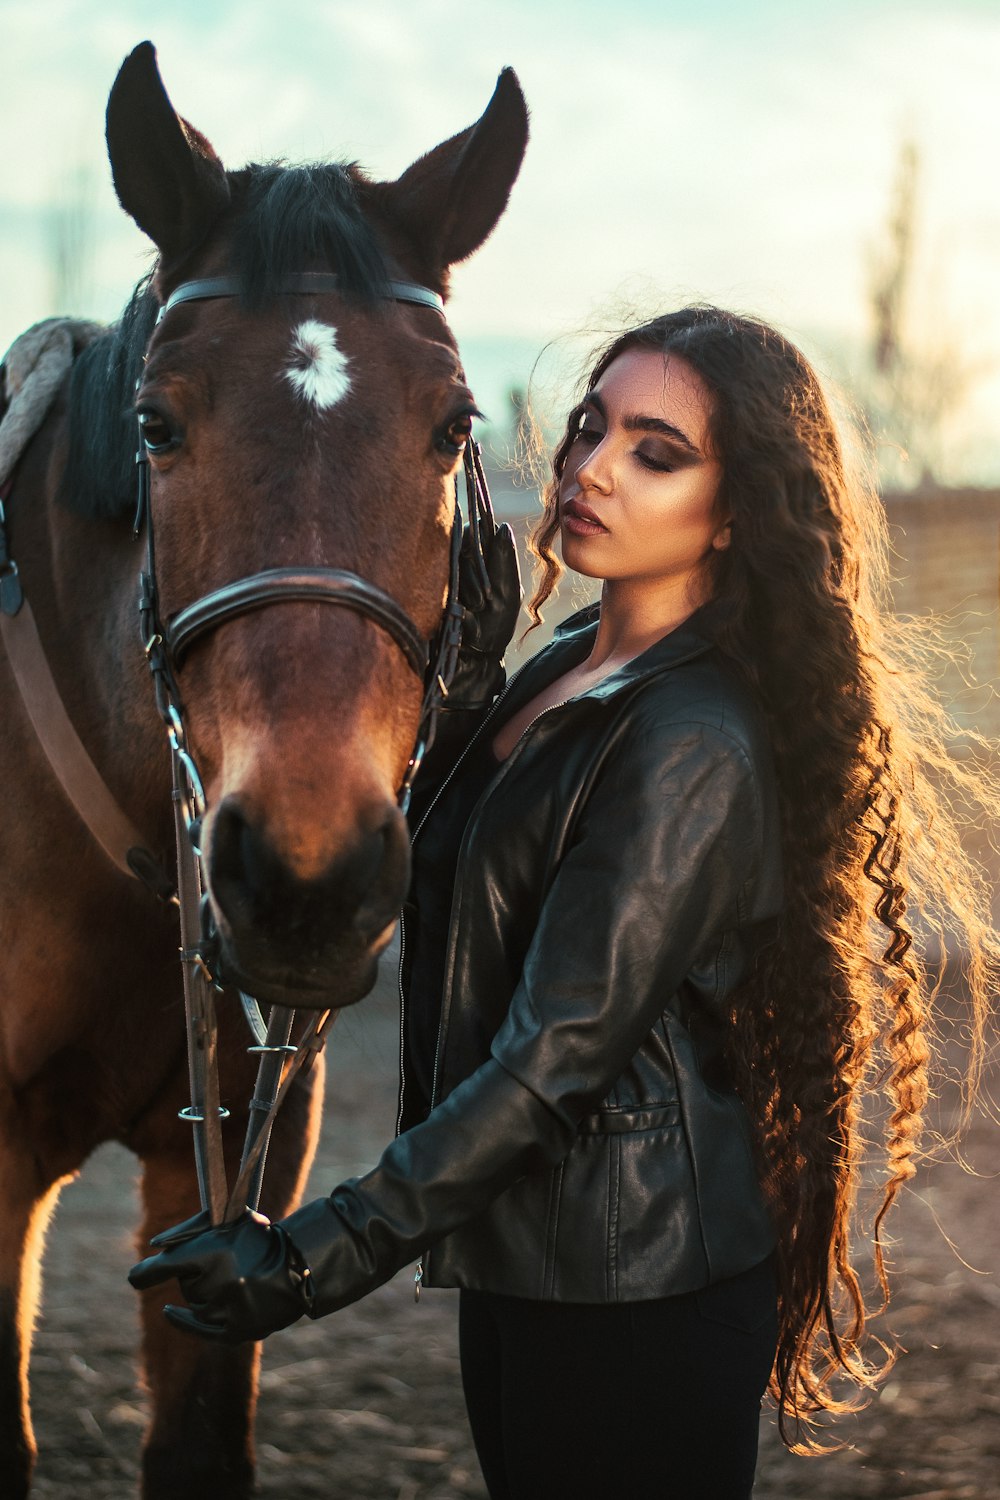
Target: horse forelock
[288,219]
[283,219]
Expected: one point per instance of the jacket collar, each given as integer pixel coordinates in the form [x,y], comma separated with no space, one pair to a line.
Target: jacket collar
[574,638]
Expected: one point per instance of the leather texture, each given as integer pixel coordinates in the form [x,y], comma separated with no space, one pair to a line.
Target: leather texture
[314,585]
[614,883]
[489,621]
[70,761]
[241,1280]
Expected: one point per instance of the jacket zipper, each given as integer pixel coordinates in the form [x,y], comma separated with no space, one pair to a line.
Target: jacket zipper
[418,1274]
[402,921]
[496,782]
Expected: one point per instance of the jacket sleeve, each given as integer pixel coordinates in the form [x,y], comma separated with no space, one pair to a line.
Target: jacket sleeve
[662,863]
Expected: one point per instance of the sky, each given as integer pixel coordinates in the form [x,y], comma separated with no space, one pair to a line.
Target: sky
[742,153]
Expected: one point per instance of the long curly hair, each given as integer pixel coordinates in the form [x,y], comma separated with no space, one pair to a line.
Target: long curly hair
[875,784]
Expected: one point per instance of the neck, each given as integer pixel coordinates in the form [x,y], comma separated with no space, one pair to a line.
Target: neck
[635,614]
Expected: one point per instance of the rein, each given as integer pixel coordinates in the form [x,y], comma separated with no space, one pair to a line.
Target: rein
[165,644]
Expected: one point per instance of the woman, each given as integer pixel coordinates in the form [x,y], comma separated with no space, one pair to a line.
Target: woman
[656,954]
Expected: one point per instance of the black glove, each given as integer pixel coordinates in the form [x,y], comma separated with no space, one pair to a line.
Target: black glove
[242,1280]
[490,618]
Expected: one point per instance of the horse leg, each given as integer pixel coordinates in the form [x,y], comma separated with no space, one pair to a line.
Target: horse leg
[27,1210]
[200,1441]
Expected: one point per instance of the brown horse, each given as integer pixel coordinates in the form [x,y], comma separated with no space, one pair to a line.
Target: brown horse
[285,429]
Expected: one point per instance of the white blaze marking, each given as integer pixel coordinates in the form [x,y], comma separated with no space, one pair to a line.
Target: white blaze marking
[318,370]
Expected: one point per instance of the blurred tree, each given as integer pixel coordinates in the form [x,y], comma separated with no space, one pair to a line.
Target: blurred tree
[521,421]
[918,375]
[71,242]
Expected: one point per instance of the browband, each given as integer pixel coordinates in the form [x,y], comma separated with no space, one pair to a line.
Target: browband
[302,282]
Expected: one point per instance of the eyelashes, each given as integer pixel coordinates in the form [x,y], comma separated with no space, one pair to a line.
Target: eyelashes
[657,465]
[590,437]
[453,437]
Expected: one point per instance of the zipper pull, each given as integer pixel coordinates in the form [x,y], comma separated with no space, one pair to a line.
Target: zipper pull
[418,1277]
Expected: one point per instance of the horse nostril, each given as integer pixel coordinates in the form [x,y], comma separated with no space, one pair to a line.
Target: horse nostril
[243,866]
[384,896]
[263,901]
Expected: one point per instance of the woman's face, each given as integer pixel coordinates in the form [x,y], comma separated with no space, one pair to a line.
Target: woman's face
[637,500]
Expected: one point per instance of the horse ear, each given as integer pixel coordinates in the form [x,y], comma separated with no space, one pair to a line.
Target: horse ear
[165,172]
[451,199]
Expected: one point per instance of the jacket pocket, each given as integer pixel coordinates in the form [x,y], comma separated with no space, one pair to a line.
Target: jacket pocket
[626,1223]
[622,1121]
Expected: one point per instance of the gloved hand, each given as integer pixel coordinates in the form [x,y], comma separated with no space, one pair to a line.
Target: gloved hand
[242,1280]
[490,618]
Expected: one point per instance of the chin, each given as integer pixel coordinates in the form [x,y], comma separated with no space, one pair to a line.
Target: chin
[326,988]
[574,557]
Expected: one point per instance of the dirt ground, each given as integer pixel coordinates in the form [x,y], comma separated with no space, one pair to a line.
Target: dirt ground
[367,1405]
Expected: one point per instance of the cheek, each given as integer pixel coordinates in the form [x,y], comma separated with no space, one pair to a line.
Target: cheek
[696,505]
[690,515]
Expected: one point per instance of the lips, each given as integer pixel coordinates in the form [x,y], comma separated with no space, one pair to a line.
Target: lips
[581,520]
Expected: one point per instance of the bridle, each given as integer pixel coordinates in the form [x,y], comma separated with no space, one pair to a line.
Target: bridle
[166,643]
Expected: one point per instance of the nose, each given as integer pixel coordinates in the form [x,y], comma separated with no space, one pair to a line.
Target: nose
[594,472]
[266,906]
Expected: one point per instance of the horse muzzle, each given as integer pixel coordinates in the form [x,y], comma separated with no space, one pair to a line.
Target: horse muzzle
[311,942]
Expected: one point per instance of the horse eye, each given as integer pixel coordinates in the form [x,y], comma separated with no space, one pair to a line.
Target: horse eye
[156,434]
[457,433]
[461,430]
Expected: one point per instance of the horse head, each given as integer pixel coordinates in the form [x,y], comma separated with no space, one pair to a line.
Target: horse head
[290,429]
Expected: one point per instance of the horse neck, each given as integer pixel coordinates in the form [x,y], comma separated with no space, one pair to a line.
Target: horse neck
[80,576]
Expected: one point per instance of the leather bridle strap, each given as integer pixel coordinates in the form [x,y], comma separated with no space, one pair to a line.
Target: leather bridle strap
[319,585]
[67,756]
[74,769]
[302,283]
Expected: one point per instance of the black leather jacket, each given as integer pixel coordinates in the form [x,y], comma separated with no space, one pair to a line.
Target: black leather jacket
[613,883]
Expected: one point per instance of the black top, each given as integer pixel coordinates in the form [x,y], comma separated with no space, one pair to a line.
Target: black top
[435,861]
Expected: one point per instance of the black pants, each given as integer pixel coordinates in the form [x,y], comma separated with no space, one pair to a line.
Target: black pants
[630,1401]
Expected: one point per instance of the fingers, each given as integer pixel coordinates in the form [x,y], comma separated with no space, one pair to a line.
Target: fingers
[501,545]
[184,1319]
[152,1271]
[503,565]
[470,587]
[197,1224]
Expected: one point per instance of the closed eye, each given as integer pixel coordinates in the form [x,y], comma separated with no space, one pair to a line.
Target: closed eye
[658,464]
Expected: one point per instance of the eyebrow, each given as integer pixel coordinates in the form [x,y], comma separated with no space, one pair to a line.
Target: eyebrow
[635,422]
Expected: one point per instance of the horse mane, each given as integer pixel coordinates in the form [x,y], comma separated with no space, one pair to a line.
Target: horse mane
[282,219]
